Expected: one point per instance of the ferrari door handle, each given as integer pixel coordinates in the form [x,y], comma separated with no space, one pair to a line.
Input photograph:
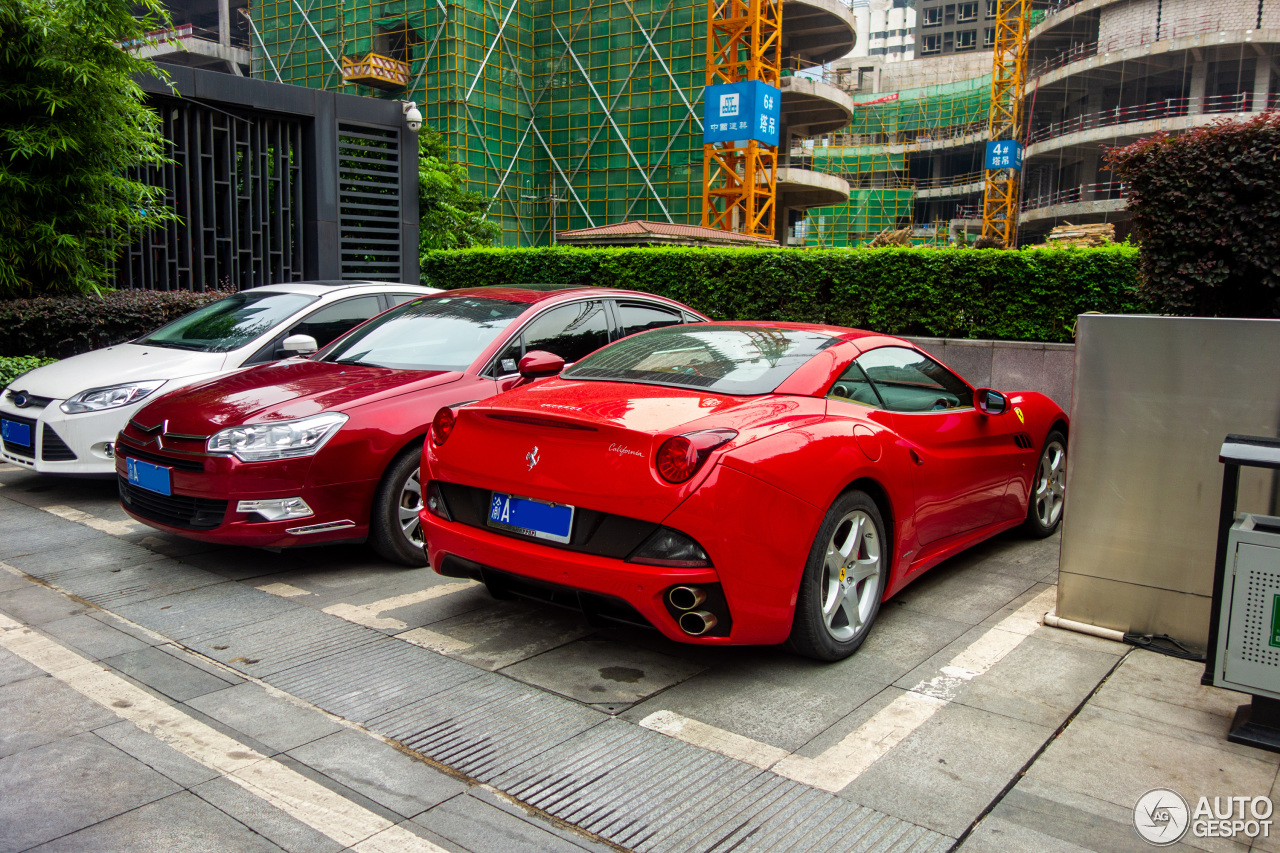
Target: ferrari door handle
[915,457]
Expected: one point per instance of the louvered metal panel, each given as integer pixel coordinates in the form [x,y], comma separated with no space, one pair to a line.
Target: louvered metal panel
[369,231]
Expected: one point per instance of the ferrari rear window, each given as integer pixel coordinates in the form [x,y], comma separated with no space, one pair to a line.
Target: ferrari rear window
[740,360]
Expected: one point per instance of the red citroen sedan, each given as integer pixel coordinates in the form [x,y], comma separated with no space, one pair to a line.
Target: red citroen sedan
[328,448]
[738,482]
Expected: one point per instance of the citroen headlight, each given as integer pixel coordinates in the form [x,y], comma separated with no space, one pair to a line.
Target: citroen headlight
[111,397]
[279,440]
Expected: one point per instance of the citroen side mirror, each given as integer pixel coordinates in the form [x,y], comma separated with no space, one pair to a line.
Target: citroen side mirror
[990,402]
[539,364]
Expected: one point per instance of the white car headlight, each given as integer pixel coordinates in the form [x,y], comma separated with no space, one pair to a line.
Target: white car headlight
[279,440]
[111,397]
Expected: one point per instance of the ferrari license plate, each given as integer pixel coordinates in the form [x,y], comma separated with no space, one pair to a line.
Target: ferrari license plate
[538,519]
[15,433]
[153,478]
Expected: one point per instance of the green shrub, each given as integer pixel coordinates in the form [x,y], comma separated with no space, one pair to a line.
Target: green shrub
[13,367]
[1206,211]
[57,327]
[1031,295]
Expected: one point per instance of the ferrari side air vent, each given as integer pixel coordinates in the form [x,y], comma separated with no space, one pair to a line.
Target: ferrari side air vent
[1024,441]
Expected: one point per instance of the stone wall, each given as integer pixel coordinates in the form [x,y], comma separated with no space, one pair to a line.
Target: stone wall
[1009,365]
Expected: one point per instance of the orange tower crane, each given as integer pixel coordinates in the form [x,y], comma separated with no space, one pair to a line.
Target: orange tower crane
[1008,72]
[740,179]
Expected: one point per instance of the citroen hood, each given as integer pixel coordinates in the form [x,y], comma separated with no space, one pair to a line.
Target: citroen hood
[293,388]
[115,366]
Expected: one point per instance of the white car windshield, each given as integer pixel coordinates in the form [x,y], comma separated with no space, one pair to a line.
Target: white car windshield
[229,323]
[437,333]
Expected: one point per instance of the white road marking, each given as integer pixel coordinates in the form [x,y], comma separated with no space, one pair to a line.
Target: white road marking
[333,815]
[283,590]
[114,528]
[839,765]
[438,643]
[737,746]
[370,615]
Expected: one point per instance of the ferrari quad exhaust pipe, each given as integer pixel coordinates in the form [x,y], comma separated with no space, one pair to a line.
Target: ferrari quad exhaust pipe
[697,622]
[686,598]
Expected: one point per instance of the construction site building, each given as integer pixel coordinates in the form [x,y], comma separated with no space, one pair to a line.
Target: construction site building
[210,34]
[570,114]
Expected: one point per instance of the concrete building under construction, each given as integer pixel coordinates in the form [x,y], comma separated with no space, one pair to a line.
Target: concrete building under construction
[570,114]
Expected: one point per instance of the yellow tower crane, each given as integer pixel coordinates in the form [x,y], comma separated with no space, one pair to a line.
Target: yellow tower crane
[1004,128]
[740,177]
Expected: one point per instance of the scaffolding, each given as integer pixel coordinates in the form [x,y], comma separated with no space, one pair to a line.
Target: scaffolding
[880,155]
[569,112]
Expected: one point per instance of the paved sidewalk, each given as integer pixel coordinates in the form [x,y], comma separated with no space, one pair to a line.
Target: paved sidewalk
[162,694]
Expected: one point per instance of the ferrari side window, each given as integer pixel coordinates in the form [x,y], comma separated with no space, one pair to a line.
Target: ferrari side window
[910,381]
[854,386]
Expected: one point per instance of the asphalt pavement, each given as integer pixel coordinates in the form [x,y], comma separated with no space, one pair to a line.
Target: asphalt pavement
[160,693]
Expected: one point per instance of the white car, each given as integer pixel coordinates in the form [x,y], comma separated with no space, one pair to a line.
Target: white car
[63,418]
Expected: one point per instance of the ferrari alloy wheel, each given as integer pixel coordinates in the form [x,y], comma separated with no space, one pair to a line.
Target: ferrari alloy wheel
[1048,489]
[395,528]
[843,581]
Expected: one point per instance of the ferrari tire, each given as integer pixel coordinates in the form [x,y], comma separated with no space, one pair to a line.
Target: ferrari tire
[395,530]
[1048,488]
[843,581]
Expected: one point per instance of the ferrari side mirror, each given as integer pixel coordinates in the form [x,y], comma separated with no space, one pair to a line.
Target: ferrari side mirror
[990,402]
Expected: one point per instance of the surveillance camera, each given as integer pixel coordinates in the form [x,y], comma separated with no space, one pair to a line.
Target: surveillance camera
[412,117]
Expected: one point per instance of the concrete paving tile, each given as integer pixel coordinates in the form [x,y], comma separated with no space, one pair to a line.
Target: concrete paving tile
[61,561]
[171,546]
[378,771]
[1039,682]
[42,710]
[1172,680]
[30,539]
[61,787]
[214,607]
[1214,721]
[1011,553]
[10,582]
[493,797]
[482,828]
[271,720]
[179,822]
[1118,758]
[838,730]
[14,668]
[124,585]
[960,593]
[156,754]
[244,563]
[995,835]
[506,632]
[36,605]
[278,827]
[167,674]
[950,769]
[600,671]
[1061,816]
[356,578]
[774,697]
[93,637]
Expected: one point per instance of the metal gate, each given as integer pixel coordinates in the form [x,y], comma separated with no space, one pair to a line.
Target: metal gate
[236,182]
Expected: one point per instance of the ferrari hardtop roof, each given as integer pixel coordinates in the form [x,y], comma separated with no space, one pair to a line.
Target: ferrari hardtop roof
[841,332]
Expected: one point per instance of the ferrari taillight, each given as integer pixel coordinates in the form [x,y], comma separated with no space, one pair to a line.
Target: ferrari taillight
[680,456]
[442,425]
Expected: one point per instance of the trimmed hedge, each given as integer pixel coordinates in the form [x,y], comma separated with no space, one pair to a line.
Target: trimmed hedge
[1030,295]
[12,368]
[57,327]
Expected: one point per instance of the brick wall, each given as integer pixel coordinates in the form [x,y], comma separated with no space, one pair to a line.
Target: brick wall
[1120,24]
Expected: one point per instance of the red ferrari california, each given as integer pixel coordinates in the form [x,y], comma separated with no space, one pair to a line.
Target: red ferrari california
[325,449]
[737,483]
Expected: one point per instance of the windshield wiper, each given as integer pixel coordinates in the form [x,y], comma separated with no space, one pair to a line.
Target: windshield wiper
[176,345]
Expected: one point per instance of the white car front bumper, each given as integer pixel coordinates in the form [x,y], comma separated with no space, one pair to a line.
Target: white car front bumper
[66,444]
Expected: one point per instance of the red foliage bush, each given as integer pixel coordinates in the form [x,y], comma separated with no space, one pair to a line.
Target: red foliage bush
[1206,213]
[57,327]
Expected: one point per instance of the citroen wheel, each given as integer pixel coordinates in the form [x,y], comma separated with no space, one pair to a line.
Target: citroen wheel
[395,529]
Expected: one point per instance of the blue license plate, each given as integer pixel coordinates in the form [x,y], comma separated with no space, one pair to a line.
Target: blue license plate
[532,518]
[15,433]
[153,478]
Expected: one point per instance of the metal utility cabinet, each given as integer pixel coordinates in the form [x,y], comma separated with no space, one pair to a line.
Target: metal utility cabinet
[1245,631]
